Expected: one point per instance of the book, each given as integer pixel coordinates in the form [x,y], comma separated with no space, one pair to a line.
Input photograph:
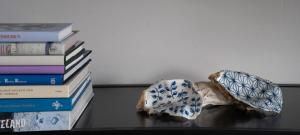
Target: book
[39,48]
[46,91]
[43,104]
[74,55]
[28,69]
[34,79]
[66,59]
[86,58]
[34,32]
[45,121]
[31,79]
[40,69]
[32,60]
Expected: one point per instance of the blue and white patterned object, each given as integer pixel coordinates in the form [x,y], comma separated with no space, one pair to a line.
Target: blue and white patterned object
[40,121]
[252,90]
[174,97]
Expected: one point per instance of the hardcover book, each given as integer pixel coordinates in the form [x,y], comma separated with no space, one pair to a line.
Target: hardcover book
[39,48]
[47,91]
[45,121]
[28,69]
[43,104]
[40,79]
[31,79]
[34,32]
[46,69]
[73,54]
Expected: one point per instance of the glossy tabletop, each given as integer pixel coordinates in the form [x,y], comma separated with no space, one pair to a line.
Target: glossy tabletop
[112,110]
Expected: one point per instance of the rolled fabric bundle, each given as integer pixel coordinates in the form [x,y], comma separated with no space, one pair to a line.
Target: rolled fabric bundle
[175,97]
[250,92]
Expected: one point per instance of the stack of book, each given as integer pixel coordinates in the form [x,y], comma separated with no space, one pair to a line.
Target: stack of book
[45,82]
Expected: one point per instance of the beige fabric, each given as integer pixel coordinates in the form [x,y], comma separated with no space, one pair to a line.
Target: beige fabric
[211,95]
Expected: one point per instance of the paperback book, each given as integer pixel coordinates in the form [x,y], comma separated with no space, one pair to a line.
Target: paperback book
[39,79]
[46,91]
[29,69]
[46,69]
[66,59]
[43,104]
[45,121]
[39,48]
[34,32]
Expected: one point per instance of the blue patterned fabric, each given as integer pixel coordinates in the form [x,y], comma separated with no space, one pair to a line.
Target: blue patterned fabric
[256,92]
[174,97]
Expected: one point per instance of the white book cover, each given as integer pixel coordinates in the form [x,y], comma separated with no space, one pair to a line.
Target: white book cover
[34,32]
[58,60]
[39,48]
[33,60]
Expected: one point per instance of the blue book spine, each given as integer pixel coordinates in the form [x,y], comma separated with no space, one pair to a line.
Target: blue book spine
[35,105]
[43,104]
[44,79]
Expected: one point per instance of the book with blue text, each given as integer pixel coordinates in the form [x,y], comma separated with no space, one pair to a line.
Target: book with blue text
[31,79]
[45,121]
[41,79]
[47,91]
[43,104]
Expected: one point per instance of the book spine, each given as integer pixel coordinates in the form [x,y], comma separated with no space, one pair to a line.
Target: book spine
[35,105]
[32,69]
[38,91]
[29,37]
[44,121]
[24,79]
[34,121]
[43,104]
[48,48]
[33,60]
[45,91]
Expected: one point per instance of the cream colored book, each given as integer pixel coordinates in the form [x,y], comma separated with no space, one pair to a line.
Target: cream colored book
[47,91]
[33,60]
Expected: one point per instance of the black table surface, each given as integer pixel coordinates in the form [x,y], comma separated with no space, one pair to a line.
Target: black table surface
[112,110]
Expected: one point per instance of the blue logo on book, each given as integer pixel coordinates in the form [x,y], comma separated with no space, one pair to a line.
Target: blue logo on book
[56,105]
[52,80]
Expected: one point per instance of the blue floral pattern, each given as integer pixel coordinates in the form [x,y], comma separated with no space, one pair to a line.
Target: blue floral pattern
[252,90]
[175,97]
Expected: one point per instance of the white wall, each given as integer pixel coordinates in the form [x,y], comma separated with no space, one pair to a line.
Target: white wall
[141,41]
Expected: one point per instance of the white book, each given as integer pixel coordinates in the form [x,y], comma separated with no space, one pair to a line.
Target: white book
[33,60]
[34,32]
[80,62]
[66,60]
[39,48]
